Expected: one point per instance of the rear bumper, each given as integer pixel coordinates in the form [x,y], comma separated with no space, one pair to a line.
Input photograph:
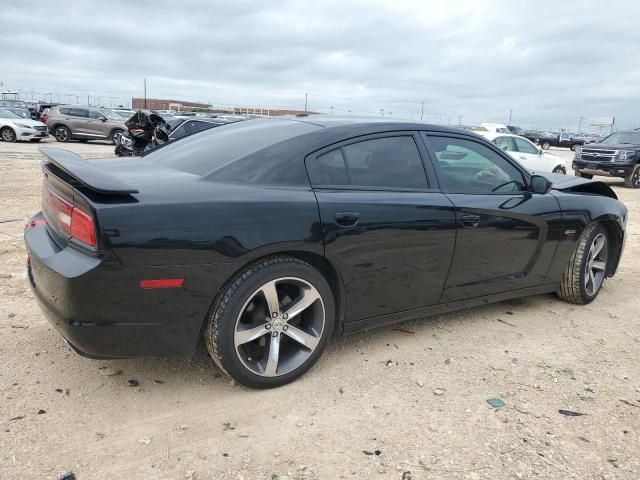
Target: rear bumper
[98,306]
[609,169]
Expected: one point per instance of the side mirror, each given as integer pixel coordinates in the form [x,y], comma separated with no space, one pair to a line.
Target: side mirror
[540,151]
[539,184]
[103,119]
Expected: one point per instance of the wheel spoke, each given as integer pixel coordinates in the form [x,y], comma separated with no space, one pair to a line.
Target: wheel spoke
[591,279]
[597,246]
[274,354]
[598,265]
[301,337]
[271,295]
[309,296]
[249,335]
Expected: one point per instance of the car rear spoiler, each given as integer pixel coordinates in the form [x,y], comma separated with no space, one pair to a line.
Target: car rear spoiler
[89,175]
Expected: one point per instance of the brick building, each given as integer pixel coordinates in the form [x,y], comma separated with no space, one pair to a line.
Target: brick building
[162,104]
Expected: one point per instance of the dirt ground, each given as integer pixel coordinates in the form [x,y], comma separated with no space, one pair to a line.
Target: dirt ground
[404,402]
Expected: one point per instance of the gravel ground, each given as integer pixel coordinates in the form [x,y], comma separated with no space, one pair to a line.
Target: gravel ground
[407,398]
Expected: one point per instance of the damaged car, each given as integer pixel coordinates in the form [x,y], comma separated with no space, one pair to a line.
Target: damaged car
[266,238]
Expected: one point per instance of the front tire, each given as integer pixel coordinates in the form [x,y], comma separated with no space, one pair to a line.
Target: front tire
[62,134]
[115,136]
[587,269]
[271,323]
[7,134]
[633,179]
[560,170]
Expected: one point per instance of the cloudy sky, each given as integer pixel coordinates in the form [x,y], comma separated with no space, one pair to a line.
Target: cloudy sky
[549,62]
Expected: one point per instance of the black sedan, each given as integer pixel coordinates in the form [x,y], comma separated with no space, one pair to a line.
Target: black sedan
[183,127]
[267,237]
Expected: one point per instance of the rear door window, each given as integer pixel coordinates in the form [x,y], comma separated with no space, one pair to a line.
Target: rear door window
[78,112]
[525,146]
[505,143]
[386,162]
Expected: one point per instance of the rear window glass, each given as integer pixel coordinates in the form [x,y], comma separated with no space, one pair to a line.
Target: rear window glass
[213,149]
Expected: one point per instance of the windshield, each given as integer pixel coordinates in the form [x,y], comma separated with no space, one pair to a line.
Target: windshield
[632,138]
[215,148]
[20,112]
[8,114]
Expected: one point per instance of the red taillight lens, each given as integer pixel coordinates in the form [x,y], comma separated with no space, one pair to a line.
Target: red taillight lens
[82,227]
[68,218]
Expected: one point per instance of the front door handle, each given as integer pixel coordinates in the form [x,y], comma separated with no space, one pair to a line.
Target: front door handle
[470,220]
[347,219]
[523,158]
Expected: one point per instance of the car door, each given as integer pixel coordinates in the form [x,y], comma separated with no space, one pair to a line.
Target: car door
[390,234]
[76,120]
[529,156]
[506,236]
[96,124]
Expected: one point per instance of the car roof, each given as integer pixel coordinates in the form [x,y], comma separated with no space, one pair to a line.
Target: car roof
[494,135]
[356,122]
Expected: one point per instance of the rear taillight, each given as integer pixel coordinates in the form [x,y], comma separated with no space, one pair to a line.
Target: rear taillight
[68,218]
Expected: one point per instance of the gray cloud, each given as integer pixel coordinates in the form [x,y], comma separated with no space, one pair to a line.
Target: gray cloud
[551,62]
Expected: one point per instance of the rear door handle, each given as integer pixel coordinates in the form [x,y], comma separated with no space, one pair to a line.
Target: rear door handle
[347,219]
[470,220]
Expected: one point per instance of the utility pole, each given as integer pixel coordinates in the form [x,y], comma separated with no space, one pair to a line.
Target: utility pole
[331,108]
[87,100]
[382,112]
[459,120]
[510,113]
[422,112]
[306,98]
[580,125]
[145,93]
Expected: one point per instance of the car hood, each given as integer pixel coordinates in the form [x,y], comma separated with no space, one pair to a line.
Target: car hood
[23,121]
[569,183]
[612,146]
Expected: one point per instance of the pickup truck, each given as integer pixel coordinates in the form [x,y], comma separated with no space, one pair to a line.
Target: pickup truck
[547,140]
[617,155]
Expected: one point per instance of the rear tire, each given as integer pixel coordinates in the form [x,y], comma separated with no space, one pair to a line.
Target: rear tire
[633,179]
[62,134]
[7,134]
[583,175]
[587,268]
[545,145]
[242,332]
